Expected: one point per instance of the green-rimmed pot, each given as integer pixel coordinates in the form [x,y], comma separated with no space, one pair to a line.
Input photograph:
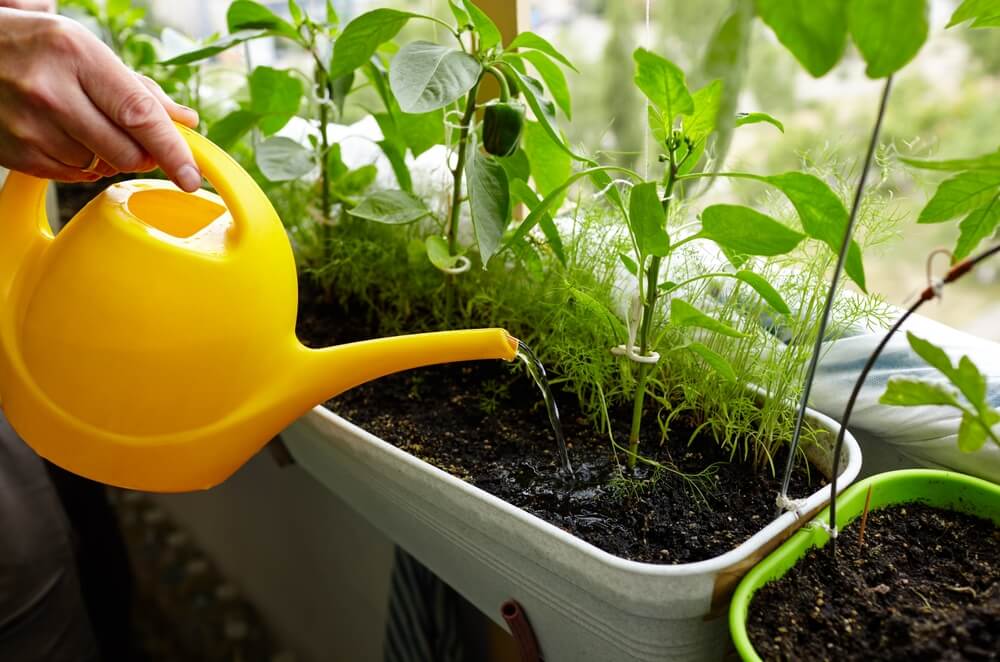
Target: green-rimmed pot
[940,489]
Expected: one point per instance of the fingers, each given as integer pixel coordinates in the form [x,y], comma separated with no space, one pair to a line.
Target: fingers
[47,6]
[44,166]
[186,116]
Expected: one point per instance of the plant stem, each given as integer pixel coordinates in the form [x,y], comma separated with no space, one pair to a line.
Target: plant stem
[456,196]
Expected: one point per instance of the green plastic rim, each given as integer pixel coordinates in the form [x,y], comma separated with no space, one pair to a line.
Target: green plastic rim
[941,489]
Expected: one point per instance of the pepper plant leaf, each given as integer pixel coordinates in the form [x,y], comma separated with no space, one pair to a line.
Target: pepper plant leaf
[959,194]
[726,59]
[765,290]
[215,47]
[362,37]
[684,314]
[971,434]
[461,16]
[715,360]
[889,33]
[553,77]
[391,207]
[982,13]
[248,15]
[647,220]
[630,265]
[437,252]
[227,131]
[275,96]
[489,200]
[662,82]
[523,192]
[981,224]
[701,122]
[905,392]
[965,376]
[531,41]
[989,161]
[541,107]
[550,164]
[756,118]
[814,31]
[425,76]
[745,231]
[282,159]
[489,34]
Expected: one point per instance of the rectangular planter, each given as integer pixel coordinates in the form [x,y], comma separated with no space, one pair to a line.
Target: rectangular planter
[941,489]
[583,603]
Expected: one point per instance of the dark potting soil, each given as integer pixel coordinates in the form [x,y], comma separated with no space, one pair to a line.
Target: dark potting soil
[924,585]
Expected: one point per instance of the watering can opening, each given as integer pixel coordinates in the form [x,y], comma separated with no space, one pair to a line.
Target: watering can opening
[172,211]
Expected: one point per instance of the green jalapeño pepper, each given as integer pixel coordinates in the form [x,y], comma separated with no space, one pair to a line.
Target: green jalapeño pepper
[503,122]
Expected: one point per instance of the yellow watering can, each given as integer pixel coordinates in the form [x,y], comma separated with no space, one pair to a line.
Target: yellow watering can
[151,345]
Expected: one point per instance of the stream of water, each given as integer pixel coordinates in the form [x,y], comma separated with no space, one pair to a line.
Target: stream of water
[537,372]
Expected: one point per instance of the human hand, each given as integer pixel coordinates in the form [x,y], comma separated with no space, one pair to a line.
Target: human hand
[65,98]
[30,5]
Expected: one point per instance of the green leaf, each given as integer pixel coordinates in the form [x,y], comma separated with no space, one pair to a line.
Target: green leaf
[531,41]
[362,37]
[966,377]
[227,131]
[421,131]
[331,14]
[726,59]
[353,183]
[765,290]
[295,12]
[397,160]
[989,161]
[461,16]
[550,164]
[963,192]
[823,216]
[517,166]
[700,124]
[648,221]
[215,47]
[282,159]
[983,13]
[341,88]
[530,260]
[489,200]
[754,118]
[554,79]
[248,15]
[543,109]
[489,34]
[663,84]
[531,200]
[889,33]
[424,76]
[437,253]
[746,231]
[977,226]
[630,265]
[815,31]
[905,392]
[275,96]
[933,355]
[971,434]
[684,314]
[391,207]
[715,360]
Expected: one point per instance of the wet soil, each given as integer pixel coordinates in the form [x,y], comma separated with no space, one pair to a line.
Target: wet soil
[485,423]
[925,585]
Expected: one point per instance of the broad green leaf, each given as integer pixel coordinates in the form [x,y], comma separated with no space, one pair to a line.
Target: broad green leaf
[489,34]
[295,11]
[489,200]
[331,14]
[726,59]
[630,265]
[700,124]
[543,109]
[989,161]
[421,131]
[362,37]
[275,96]
[550,164]
[248,15]
[979,225]
[889,33]
[397,159]
[715,360]
[754,118]
[226,132]
[531,200]
[746,231]
[815,31]
[905,392]
[216,47]
[424,76]
[517,166]
[983,13]
[657,124]
[648,220]
[684,314]
[282,159]
[553,77]
[962,193]
[933,355]
[663,84]
[765,290]
[392,207]
[822,214]
[971,434]
[437,253]
[531,41]
[461,16]
[353,183]
[965,376]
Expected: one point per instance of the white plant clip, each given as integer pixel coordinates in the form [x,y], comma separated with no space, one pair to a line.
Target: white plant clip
[787,505]
[631,351]
[463,265]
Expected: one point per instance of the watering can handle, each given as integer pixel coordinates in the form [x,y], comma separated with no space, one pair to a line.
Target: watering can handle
[245,201]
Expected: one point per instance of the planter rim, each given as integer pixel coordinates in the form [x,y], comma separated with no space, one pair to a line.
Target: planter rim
[718,563]
[851,503]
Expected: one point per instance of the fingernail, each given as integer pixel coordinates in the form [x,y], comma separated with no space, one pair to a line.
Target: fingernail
[188,178]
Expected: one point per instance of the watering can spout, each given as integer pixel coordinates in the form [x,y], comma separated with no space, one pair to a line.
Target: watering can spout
[24,226]
[333,370]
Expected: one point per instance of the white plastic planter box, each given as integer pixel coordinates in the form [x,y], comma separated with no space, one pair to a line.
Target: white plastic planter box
[583,603]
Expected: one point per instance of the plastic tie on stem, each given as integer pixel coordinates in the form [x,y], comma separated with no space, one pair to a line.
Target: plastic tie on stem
[604,191]
[788,505]
[631,350]
[819,524]
[464,264]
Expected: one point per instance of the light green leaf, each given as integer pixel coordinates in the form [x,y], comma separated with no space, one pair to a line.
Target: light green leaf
[531,200]
[227,131]
[933,355]
[713,359]
[754,118]
[331,14]
[966,376]
[248,15]
[353,183]
[391,207]
[746,231]
[971,434]
[530,40]
[553,78]
[657,125]
[630,265]
[889,33]
[648,221]
[362,37]
[550,164]
[989,161]
[822,214]
[215,47]
[282,159]
[489,200]
[700,124]
[543,109]
[765,290]
[295,11]
[815,31]
[684,314]
[517,166]
[726,59]
[421,131]
[274,96]
[980,224]
[983,13]
[663,84]
[962,193]
[397,160]
[461,16]
[437,253]
[489,34]
[424,76]
[904,392]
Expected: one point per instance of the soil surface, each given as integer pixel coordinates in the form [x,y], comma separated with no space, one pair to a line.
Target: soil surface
[485,423]
[924,585]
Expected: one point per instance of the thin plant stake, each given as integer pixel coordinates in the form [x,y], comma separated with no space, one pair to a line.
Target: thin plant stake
[864,516]
[828,305]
